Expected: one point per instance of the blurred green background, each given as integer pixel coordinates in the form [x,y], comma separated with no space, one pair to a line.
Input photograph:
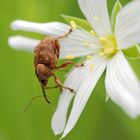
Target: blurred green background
[18,84]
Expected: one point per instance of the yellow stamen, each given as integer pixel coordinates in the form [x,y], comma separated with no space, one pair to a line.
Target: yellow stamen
[73,24]
[92,33]
[89,57]
[96,18]
[91,67]
[109,46]
[86,44]
[106,51]
[101,53]
[69,57]
[102,39]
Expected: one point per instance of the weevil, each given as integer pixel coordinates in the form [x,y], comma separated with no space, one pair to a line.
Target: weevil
[46,55]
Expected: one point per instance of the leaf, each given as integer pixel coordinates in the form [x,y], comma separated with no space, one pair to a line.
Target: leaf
[79,22]
[115,11]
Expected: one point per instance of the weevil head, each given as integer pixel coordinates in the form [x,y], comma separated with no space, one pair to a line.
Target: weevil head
[43,73]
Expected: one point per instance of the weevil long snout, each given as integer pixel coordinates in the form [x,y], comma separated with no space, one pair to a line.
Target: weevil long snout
[44,94]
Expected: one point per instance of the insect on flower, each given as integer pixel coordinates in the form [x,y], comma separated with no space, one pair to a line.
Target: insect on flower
[46,56]
[103,46]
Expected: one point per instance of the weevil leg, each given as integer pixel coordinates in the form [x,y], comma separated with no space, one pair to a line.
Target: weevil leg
[59,84]
[65,35]
[62,70]
[56,86]
[65,64]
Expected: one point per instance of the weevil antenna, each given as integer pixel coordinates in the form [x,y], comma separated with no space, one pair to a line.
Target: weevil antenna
[35,97]
[31,101]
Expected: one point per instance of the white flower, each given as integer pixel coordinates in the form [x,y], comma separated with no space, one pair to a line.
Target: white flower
[105,44]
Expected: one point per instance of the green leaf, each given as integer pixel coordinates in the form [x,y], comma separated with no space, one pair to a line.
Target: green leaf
[79,22]
[115,11]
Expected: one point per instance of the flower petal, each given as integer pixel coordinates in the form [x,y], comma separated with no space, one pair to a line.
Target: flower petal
[59,117]
[23,43]
[122,85]
[128,25]
[71,45]
[96,13]
[84,91]
[49,29]
[74,80]
[75,44]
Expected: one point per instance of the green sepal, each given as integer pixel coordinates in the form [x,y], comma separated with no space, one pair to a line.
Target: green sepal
[138,48]
[115,11]
[79,22]
[131,52]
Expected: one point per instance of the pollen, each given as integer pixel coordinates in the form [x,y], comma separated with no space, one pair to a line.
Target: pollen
[101,53]
[86,44]
[109,44]
[89,57]
[73,24]
[96,18]
[92,33]
[91,67]
[69,57]
[102,39]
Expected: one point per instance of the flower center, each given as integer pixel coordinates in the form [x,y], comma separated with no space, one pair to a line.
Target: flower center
[109,44]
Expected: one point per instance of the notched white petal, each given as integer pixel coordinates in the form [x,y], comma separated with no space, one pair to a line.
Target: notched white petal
[74,80]
[84,91]
[23,43]
[122,85]
[59,117]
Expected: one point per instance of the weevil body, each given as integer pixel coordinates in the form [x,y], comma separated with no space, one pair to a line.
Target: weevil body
[46,56]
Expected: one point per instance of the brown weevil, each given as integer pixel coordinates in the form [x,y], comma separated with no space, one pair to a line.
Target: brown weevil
[46,56]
